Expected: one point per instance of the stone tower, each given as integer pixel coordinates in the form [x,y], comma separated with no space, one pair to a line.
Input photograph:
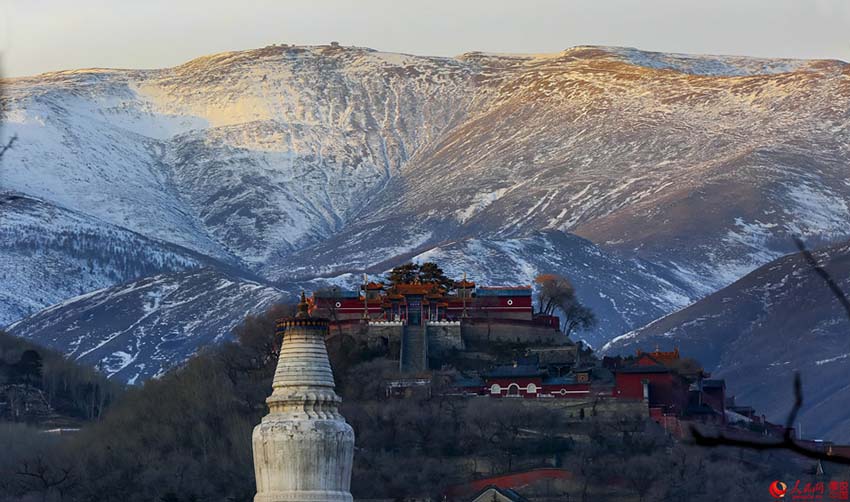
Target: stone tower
[303,449]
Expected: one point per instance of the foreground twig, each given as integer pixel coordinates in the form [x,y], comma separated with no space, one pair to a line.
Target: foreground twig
[833,286]
[788,442]
[8,145]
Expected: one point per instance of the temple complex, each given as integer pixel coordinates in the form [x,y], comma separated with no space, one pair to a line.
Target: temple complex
[303,449]
[426,321]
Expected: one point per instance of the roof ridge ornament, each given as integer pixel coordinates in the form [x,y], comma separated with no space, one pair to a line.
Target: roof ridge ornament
[303,307]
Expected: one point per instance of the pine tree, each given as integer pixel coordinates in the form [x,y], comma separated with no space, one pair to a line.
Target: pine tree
[28,369]
[402,274]
[431,272]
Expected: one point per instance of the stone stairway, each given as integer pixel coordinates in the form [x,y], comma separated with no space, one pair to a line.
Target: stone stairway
[414,349]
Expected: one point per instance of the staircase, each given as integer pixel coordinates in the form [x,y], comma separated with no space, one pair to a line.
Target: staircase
[414,349]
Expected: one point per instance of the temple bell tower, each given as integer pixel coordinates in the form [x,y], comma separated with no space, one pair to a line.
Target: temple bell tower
[303,449]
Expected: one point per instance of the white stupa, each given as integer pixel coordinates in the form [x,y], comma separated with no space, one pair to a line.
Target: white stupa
[303,449]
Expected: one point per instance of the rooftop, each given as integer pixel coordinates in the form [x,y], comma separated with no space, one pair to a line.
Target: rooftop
[520,370]
[644,369]
[503,291]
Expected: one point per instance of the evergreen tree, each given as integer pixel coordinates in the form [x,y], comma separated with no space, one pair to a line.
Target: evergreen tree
[401,274]
[431,272]
[28,368]
[428,272]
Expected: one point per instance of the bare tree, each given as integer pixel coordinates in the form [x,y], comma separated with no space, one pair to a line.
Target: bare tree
[556,293]
[45,477]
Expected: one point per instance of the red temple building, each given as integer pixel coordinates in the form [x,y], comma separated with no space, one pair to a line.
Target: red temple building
[526,381]
[651,379]
[672,388]
[416,303]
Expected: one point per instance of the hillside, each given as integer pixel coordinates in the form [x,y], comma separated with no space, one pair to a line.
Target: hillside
[756,332]
[198,421]
[140,329]
[50,391]
[51,254]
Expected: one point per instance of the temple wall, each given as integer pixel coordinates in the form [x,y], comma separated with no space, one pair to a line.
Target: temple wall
[482,331]
[607,407]
[443,339]
[518,315]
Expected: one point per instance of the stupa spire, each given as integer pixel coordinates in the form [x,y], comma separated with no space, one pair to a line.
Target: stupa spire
[303,307]
[303,449]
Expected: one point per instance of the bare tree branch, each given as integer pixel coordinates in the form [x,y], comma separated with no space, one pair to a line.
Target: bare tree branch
[8,145]
[833,286]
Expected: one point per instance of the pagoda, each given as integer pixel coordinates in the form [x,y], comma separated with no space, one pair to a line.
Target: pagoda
[303,448]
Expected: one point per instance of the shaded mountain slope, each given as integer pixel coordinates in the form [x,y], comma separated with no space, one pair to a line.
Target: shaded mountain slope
[50,254]
[756,332]
[708,174]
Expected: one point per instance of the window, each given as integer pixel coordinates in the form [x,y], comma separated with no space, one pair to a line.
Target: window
[495,389]
[531,389]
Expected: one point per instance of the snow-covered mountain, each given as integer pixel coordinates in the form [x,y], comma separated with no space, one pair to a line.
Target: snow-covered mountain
[50,254]
[297,165]
[139,329]
[707,174]
[756,332]
[237,155]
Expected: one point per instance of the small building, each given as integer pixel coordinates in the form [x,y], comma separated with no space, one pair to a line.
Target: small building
[714,394]
[656,384]
[409,387]
[658,356]
[527,381]
[495,494]
[506,485]
[519,380]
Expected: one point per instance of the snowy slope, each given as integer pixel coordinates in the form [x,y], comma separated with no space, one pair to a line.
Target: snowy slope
[140,329]
[708,174]
[50,254]
[236,155]
[622,293]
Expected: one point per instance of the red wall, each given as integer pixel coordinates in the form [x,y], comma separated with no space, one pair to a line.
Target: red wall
[512,481]
[522,383]
[665,389]
[520,307]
